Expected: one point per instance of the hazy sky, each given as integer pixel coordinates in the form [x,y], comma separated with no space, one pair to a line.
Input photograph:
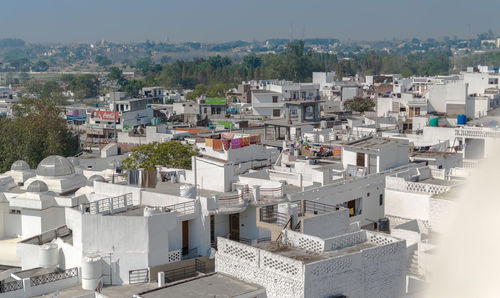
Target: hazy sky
[222,20]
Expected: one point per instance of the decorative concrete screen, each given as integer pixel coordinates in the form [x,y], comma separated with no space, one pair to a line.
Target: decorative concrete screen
[345,240]
[309,243]
[280,265]
[174,256]
[243,253]
[401,184]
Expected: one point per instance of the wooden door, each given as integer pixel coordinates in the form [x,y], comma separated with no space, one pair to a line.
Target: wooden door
[411,112]
[234,227]
[185,236]
[360,159]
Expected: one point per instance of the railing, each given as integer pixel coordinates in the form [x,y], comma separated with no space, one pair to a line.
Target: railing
[11,286]
[306,206]
[185,272]
[52,277]
[48,236]
[477,132]
[470,163]
[438,173]
[190,253]
[397,183]
[182,208]
[138,276]
[111,205]
[272,192]
[230,201]
[270,214]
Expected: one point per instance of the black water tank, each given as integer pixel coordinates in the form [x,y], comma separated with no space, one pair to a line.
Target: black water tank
[383,224]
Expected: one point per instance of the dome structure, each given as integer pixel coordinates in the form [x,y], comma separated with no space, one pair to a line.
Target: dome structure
[74,161]
[37,186]
[98,178]
[20,165]
[55,166]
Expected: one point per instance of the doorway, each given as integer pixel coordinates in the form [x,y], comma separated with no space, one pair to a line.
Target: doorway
[360,159]
[234,227]
[185,237]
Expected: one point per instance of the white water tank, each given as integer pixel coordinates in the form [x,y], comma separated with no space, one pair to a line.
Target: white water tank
[148,211]
[91,272]
[187,191]
[323,124]
[48,255]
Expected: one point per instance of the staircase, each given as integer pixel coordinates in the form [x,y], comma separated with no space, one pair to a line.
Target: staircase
[413,263]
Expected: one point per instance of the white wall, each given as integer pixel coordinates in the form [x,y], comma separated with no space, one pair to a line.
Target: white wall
[407,204]
[327,225]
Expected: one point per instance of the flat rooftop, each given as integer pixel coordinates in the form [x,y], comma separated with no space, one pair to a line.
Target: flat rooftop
[372,143]
[211,285]
[306,257]
[174,189]
[8,255]
[431,154]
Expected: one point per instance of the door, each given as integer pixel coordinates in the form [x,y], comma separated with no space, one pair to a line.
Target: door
[411,112]
[372,164]
[360,159]
[234,227]
[185,237]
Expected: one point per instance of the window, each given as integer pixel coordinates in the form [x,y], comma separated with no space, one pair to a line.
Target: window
[417,111]
[212,229]
[218,111]
[381,200]
[14,211]
[275,99]
[276,112]
[204,110]
[402,109]
[368,194]
[493,81]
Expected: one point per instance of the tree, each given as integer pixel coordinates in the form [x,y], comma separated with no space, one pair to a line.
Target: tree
[359,104]
[36,131]
[172,154]
[115,73]
[41,66]
[103,61]
[132,87]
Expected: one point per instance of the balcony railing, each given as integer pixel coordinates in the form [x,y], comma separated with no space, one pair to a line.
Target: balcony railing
[306,206]
[271,215]
[11,286]
[182,208]
[230,201]
[272,192]
[185,272]
[111,205]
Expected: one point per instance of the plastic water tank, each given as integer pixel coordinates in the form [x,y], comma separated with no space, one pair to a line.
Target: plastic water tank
[323,124]
[383,224]
[91,272]
[187,191]
[461,119]
[48,255]
[434,121]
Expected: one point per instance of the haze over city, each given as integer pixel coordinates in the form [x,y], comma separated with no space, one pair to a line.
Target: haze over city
[225,20]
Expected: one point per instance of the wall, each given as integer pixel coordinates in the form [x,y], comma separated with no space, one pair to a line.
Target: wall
[450,93]
[441,212]
[31,223]
[113,190]
[327,225]
[407,204]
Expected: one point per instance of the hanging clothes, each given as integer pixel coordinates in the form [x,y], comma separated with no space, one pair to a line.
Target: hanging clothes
[227,135]
[209,142]
[217,145]
[245,141]
[200,140]
[133,177]
[149,178]
[236,143]
[226,144]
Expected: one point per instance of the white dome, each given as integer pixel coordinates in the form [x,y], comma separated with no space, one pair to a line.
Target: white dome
[54,166]
[37,186]
[20,165]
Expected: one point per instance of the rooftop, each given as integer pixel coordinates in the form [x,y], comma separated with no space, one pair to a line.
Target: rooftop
[372,143]
[211,285]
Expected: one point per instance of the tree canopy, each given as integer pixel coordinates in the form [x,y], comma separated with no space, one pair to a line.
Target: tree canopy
[172,154]
[359,104]
[36,131]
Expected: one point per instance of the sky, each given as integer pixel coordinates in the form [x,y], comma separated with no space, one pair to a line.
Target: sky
[226,20]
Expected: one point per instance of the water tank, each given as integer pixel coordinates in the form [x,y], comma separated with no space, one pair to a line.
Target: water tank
[91,272]
[48,255]
[323,124]
[187,191]
[148,211]
[434,121]
[383,224]
[461,119]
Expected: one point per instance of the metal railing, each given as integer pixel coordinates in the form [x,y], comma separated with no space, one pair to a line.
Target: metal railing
[272,192]
[138,276]
[182,208]
[230,201]
[189,253]
[52,277]
[11,286]
[111,205]
[270,214]
[306,206]
[185,272]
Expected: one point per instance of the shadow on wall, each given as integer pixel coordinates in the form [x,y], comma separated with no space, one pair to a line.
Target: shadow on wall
[468,258]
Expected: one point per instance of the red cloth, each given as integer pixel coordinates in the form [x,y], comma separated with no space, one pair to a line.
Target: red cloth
[245,141]
[217,144]
[226,144]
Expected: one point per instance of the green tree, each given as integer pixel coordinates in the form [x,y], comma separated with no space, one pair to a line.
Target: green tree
[103,61]
[359,104]
[115,73]
[36,131]
[172,154]
[41,66]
